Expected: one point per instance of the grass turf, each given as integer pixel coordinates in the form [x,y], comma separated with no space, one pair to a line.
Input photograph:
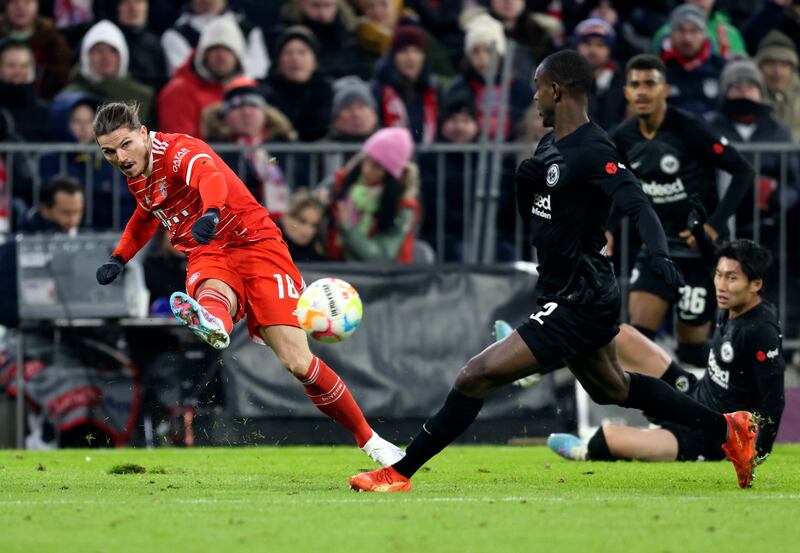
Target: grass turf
[471,499]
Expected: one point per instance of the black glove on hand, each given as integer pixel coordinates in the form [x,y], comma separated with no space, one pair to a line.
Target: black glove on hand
[697,218]
[110,270]
[698,215]
[666,268]
[204,230]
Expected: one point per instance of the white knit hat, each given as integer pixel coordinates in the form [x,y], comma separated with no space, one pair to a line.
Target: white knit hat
[106,32]
[485,29]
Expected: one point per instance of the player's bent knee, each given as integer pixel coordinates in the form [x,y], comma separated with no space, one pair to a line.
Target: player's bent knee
[473,379]
[608,395]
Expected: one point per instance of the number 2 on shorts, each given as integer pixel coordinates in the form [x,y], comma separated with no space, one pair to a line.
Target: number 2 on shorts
[548,309]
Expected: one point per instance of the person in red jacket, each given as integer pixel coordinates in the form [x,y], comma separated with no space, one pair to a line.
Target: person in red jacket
[201,81]
[239,264]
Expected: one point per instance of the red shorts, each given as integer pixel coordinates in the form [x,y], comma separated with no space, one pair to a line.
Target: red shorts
[263,276]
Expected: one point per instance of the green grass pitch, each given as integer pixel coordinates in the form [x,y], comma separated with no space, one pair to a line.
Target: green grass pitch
[470,499]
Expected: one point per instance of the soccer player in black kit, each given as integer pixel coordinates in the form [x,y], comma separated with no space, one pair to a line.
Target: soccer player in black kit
[744,372]
[566,189]
[675,155]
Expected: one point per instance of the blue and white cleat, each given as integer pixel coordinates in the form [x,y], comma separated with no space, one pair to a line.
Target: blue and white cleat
[503,330]
[205,325]
[568,446]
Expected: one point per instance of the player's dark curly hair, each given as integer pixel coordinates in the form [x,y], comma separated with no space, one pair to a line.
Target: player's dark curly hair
[569,69]
[116,115]
[646,62]
[754,259]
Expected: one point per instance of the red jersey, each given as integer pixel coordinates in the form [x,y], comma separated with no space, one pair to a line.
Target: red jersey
[170,194]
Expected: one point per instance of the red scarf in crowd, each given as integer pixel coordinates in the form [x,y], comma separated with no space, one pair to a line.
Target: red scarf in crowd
[395,114]
[689,64]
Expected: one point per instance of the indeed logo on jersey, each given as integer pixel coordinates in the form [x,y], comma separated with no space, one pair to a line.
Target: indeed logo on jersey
[665,193]
[718,375]
[176,161]
[541,206]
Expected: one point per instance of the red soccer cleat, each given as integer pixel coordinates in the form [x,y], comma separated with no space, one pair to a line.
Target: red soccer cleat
[741,445]
[381,480]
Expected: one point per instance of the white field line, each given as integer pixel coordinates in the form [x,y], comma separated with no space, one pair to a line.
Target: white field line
[375,498]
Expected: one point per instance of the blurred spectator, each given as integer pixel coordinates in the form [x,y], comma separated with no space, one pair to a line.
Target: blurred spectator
[72,118]
[744,117]
[297,87]
[725,38]
[693,68]
[147,65]
[16,174]
[441,19]
[243,117]
[407,92]
[459,125]
[60,209]
[51,51]
[103,70]
[354,111]
[777,59]
[482,31]
[594,39]
[18,93]
[333,24]
[301,225]
[73,12]
[376,208]
[533,33]
[201,80]
[188,30]
[773,15]
[377,27]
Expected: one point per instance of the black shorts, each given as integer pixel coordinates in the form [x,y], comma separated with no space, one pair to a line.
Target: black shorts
[693,444]
[561,329]
[696,301]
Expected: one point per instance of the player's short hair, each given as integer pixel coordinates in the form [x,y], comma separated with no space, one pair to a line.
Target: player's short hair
[116,115]
[646,62]
[754,259]
[61,183]
[569,69]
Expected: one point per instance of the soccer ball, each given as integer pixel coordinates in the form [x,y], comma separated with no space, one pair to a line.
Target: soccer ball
[329,310]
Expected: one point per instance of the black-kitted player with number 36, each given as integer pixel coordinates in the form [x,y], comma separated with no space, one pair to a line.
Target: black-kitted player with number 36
[566,189]
[675,156]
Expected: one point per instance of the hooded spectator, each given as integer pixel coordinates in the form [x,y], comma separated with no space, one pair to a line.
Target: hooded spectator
[482,32]
[244,117]
[777,59]
[297,87]
[50,49]
[693,68]
[407,93]
[149,65]
[179,41]
[594,39]
[200,82]
[18,93]
[376,208]
[103,70]
[71,119]
[354,111]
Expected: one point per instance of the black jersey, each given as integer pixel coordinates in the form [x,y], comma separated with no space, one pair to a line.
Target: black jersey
[571,205]
[679,161]
[745,368]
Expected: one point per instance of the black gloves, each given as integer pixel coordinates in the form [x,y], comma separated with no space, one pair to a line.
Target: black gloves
[110,270]
[697,218]
[204,230]
[666,268]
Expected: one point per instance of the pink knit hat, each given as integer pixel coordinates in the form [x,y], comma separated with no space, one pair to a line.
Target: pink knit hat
[391,148]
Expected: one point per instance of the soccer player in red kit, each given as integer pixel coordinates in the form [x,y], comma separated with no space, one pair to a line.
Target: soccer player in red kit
[238,264]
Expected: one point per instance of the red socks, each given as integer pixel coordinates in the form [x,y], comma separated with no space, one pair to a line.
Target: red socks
[218,305]
[330,394]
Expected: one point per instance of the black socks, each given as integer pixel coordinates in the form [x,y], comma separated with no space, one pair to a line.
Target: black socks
[455,416]
[656,399]
[649,334]
[679,378]
[597,448]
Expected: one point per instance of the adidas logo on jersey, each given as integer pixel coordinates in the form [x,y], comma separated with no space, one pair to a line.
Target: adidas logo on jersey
[541,206]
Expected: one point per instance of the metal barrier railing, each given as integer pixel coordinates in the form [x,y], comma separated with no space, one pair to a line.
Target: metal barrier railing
[308,164]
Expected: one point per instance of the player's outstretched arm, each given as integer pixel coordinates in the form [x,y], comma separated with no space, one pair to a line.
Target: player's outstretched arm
[137,233]
[202,173]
